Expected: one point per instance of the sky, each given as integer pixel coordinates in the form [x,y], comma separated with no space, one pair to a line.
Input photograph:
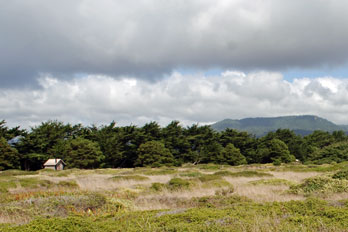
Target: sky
[196,61]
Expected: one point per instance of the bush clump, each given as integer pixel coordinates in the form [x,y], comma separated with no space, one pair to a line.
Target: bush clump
[178,183]
[158,186]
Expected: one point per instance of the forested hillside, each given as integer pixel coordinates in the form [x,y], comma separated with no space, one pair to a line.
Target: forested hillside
[302,125]
[111,146]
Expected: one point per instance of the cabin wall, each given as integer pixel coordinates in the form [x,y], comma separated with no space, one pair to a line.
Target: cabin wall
[60,166]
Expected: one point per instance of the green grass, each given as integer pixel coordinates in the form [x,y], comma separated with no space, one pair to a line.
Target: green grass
[59,204]
[67,184]
[34,183]
[155,171]
[178,184]
[191,174]
[243,174]
[210,166]
[275,182]
[6,184]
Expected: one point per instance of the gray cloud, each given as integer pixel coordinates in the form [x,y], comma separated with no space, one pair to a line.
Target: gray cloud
[188,98]
[149,38]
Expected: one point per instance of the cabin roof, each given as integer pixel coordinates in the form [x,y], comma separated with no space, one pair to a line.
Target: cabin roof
[53,162]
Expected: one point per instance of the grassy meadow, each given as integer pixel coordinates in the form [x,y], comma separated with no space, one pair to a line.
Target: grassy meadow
[208,197]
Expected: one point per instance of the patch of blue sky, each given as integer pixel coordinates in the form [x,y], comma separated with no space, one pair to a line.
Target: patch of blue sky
[341,73]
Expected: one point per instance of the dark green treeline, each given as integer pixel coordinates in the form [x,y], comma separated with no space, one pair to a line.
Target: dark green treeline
[111,146]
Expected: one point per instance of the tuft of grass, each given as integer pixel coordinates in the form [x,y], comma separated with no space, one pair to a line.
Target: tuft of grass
[130,177]
[275,182]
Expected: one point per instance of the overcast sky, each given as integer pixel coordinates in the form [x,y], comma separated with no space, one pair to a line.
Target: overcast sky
[197,61]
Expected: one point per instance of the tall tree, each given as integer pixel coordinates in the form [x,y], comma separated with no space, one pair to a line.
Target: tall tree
[9,157]
[176,141]
[231,155]
[82,153]
[154,154]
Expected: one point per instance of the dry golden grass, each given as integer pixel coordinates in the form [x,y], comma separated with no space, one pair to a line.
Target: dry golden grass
[296,177]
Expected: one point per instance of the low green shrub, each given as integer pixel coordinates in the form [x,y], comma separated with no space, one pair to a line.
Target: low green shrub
[211,214]
[158,186]
[213,181]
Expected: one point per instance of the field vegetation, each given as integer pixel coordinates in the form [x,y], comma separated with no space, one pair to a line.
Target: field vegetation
[208,197]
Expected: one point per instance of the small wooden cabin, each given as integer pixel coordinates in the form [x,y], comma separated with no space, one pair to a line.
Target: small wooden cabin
[56,164]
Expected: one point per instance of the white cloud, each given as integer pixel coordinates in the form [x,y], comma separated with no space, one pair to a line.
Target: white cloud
[189,98]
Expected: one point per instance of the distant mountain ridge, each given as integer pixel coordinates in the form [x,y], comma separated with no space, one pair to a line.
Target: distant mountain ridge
[303,124]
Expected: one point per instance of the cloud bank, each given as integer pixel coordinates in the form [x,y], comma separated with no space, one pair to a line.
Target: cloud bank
[146,38]
[187,98]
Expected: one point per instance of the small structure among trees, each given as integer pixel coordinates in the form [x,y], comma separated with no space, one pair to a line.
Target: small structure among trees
[56,164]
